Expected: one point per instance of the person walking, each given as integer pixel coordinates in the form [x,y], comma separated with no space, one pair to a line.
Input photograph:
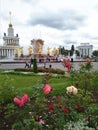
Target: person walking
[31,62]
[26,64]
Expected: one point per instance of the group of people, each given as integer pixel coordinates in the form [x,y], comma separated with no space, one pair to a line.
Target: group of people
[28,64]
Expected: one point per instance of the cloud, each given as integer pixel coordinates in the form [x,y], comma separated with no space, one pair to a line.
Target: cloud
[62,20]
[70,42]
[34,2]
[90,36]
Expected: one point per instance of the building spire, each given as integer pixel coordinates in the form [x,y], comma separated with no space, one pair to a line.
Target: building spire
[10,23]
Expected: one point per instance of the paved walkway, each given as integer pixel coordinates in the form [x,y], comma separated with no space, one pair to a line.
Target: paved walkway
[54,65]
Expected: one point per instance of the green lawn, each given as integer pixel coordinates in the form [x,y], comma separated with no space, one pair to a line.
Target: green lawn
[25,83]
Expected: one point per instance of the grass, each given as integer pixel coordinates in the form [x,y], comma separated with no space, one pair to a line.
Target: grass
[24,83]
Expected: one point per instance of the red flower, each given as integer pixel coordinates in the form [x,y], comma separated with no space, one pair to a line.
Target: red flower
[80,109]
[76,84]
[65,110]
[58,99]
[68,65]
[51,107]
[76,105]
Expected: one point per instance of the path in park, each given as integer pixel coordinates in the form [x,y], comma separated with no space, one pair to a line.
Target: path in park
[54,65]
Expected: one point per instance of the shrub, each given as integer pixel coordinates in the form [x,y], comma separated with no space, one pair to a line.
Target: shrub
[51,70]
[23,69]
[44,111]
[35,69]
[7,91]
[43,70]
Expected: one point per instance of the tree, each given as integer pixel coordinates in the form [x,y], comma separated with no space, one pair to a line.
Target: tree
[35,69]
[77,53]
[72,50]
[95,53]
[63,51]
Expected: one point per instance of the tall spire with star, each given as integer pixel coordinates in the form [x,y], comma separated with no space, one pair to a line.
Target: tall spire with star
[10,29]
[10,23]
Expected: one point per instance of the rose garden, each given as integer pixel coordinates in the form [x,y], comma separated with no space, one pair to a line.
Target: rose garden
[49,99]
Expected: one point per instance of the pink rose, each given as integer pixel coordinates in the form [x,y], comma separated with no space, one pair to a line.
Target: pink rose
[17,101]
[22,101]
[47,89]
[41,122]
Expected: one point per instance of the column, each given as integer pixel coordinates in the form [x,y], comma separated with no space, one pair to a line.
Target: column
[8,52]
[88,51]
[11,52]
[0,52]
[85,53]
[4,52]
[82,52]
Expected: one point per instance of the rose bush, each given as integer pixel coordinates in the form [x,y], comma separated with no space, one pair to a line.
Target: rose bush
[47,109]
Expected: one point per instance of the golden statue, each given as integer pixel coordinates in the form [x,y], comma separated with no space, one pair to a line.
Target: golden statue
[40,50]
[21,50]
[48,51]
[30,50]
[55,52]
[58,51]
[16,51]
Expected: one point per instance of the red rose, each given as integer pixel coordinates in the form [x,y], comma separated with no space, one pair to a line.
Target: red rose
[65,110]
[51,107]
[68,65]
[76,84]
[80,109]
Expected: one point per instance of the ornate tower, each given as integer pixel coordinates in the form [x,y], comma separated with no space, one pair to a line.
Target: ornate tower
[10,39]
[11,42]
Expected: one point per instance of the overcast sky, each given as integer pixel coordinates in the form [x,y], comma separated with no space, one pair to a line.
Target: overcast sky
[57,22]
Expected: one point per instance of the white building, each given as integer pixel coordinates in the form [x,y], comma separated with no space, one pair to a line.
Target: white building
[10,42]
[85,49]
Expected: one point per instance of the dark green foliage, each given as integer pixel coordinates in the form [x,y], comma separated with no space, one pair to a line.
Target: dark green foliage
[72,50]
[46,78]
[77,53]
[95,53]
[63,51]
[51,70]
[35,69]
[23,69]
[43,70]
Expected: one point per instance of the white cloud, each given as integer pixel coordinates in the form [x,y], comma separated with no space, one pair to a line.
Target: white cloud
[57,22]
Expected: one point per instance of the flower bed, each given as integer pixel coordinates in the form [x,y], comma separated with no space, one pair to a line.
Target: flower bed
[75,107]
